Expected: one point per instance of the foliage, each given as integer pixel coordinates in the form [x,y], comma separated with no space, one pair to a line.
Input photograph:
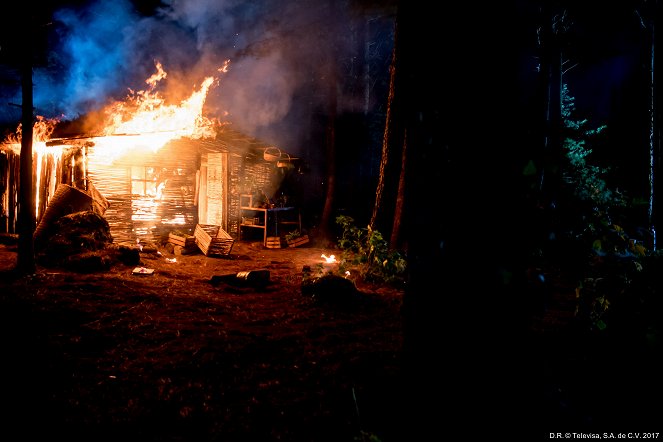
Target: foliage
[292,235]
[587,202]
[365,436]
[367,248]
[615,258]
[608,282]
[586,180]
[613,239]
[592,305]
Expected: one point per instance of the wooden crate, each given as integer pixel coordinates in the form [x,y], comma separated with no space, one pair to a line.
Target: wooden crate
[273,242]
[213,240]
[186,241]
[296,242]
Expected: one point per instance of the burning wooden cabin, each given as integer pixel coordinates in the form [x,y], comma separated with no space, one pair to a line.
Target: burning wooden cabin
[156,166]
[150,192]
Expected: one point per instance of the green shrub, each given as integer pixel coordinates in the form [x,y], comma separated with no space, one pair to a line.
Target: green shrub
[367,249]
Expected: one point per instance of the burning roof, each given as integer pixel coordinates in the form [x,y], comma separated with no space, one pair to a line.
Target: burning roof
[143,122]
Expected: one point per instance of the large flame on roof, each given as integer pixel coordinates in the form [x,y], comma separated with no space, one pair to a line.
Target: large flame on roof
[145,112]
[144,121]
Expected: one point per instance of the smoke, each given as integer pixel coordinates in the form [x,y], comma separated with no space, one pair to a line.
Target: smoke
[90,61]
[281,54]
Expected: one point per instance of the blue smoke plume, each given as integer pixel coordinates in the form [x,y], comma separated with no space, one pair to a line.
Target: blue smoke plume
[91,61]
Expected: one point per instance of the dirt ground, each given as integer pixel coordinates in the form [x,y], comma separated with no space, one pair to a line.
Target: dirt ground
[170,356]
[184,354]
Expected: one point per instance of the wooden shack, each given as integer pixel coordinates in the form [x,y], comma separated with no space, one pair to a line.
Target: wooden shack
[152,193]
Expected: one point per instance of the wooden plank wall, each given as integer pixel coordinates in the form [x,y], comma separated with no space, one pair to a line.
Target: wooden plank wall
[9,171]
[234,171]
[246,175]
[178,162]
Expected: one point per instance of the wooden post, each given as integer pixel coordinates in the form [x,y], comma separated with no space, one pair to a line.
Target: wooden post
[79,178]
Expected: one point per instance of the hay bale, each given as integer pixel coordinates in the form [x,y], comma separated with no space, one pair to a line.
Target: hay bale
[66,199]
[76,233]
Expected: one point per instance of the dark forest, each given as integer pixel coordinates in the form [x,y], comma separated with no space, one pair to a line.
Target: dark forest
[487,174]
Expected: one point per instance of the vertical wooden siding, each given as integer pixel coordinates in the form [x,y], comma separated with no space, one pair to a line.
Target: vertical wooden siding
[49,169]
[176,164]
[9,169]
[237,168]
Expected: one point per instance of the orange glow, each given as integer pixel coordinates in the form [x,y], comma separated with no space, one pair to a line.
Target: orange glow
[145,122]
[41,132]
[329,259]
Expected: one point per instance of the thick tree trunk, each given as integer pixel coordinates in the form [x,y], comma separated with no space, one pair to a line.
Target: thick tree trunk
[462,305]
[330,151]
[26,215]
[330,61]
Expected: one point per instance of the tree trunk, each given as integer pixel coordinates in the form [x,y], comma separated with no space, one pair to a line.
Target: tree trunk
[653,139]
[26,215]
[394,241]
[330,150]
[386,138]
[462,303]
[551,74]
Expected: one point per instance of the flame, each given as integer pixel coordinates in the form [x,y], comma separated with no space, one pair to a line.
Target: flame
[328,259]
[145,112]
[148,122]
[144,119]
[41,133]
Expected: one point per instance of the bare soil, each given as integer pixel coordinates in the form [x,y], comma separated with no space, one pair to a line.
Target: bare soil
[184,354]
[114,356]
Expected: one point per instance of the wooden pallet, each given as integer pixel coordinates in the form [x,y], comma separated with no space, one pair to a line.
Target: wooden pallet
[213,240]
